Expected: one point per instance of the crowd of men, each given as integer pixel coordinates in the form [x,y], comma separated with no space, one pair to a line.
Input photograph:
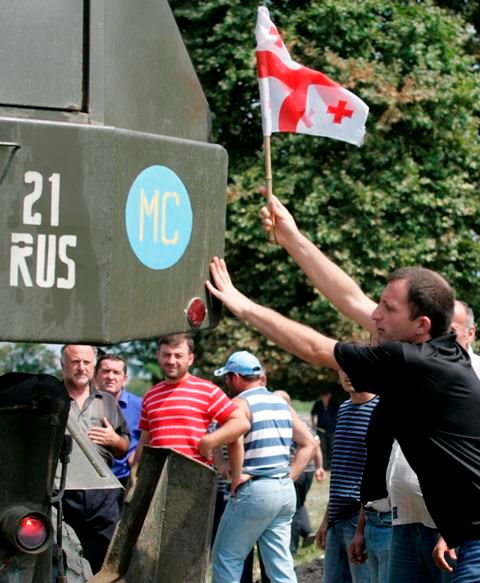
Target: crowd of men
[176,414]
[428,389]
[405,482]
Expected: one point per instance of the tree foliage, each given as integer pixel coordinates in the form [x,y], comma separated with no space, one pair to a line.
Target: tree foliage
[407,197]
[27,357]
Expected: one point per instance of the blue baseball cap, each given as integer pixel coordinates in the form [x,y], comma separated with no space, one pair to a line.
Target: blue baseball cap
[242,363]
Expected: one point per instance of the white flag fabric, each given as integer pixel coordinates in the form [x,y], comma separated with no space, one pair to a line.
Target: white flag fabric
[297,99]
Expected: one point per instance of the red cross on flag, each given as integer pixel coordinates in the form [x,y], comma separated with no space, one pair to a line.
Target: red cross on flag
[297,99]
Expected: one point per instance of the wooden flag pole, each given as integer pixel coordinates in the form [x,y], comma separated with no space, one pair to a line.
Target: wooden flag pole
[268,180]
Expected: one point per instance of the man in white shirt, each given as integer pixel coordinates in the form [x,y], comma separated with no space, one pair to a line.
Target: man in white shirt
[415,532]
[464,325]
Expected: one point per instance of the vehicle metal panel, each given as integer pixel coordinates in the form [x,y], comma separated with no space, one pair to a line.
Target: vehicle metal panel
[75,276]
[141,76]
[164,532]
[41,53]
[33,416]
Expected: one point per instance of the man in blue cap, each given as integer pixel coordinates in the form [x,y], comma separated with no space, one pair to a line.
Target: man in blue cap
[263,498]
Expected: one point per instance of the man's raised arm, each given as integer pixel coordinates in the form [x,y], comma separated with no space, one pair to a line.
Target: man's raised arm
[294,337]
[338,287]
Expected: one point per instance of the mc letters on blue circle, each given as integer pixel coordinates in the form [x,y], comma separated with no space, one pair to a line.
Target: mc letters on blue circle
[158,217]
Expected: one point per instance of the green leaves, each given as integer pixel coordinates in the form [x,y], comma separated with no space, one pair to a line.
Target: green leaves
[27,357]
[408,197]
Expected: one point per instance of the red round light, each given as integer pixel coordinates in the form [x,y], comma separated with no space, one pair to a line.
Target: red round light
[32,532]
[196,312]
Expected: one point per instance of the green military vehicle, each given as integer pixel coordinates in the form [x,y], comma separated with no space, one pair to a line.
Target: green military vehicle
[113,203]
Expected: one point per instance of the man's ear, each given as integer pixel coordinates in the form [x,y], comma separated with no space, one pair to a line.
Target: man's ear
[191,358]
[424,325]
[471,333]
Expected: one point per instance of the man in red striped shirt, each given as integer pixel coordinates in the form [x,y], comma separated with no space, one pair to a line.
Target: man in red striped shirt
[177,411]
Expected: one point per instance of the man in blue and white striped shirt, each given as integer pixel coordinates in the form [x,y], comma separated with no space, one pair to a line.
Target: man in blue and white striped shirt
[348,463]
[263,498]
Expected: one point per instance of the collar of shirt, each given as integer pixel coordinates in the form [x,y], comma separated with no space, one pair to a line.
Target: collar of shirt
[94,393]
[123,399]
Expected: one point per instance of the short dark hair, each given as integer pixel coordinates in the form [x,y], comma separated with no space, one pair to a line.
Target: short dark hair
[430,295]
[250,377]
[174,339]
[114,357]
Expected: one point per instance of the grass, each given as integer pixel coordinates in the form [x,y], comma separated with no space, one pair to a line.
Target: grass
[302,407]
[316,503]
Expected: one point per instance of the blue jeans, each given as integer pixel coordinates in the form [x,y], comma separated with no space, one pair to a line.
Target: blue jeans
[411,555]
[378,539]
[467,568]
[337,567]
[261,511]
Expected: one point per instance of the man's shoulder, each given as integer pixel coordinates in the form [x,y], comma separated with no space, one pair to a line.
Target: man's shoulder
[474,357]
[97,394]
[191,382]
[109,404]
[131,398]
[197,382]
[345,405]
[349,404]
[194,379]
[442,349]
[371,353]
[154,392]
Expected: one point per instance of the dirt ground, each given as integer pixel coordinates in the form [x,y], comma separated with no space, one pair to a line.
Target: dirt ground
[310,572]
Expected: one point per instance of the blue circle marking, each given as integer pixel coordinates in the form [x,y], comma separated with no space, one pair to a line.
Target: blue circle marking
[158,217]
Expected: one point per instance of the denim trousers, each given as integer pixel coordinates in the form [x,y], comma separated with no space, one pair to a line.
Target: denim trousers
[261,511]
[467,568]
[411,555]
[337,567]
[378,539]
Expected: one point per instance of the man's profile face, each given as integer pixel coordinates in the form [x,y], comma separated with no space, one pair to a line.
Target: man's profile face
[231,381]
[392,315]
[78,365]
[175,361]
[465,335]
[345,382]
[111,377]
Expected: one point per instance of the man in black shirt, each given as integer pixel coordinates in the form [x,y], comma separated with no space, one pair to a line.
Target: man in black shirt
[430,389]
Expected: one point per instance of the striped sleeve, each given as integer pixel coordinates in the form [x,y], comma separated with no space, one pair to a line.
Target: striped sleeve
[220,407]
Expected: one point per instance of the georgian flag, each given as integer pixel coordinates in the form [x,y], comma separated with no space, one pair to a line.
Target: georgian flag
[297,99]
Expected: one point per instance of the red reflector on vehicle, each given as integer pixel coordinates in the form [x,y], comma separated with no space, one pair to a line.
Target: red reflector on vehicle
[196,312]
[32,532]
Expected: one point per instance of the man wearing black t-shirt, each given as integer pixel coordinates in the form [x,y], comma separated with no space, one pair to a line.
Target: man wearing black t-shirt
[431,392]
